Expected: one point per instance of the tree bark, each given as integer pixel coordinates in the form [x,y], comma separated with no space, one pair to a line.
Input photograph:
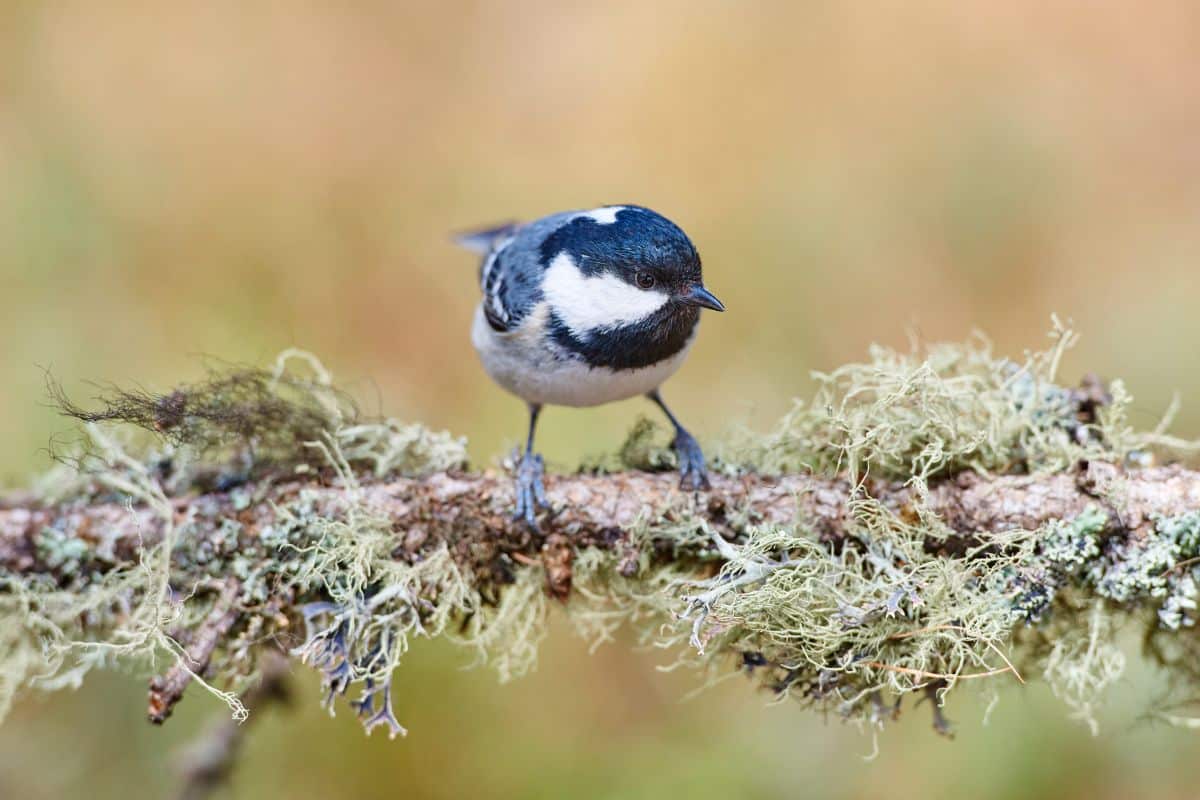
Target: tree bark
[597,510]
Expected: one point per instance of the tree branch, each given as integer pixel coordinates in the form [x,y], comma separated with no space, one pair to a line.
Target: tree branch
[166,690]
[208,762]
[467,509]
[926,519]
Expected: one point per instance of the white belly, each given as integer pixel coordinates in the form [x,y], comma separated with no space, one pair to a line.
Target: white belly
[522,362]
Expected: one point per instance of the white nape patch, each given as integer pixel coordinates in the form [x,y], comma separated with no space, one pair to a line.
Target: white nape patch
[605,216]
[586,304]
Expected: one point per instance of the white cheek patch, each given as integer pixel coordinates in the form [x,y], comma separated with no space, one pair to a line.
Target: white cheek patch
[604,216]
[585,304]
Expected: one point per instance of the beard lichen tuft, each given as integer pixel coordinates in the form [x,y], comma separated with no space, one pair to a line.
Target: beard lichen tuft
[246,422]
[946,408]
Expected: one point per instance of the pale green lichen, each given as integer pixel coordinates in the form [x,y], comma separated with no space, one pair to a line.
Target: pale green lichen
[636,586]
[51,635]
[44,636]
[647,447]
[1084,661]
[835,628]
[391,447]
[847,626]
[507,634]
[61,551]
[940,409]
[884,613]
[1070,545]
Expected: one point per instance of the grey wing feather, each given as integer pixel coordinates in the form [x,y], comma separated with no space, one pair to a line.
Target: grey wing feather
[492,282]
[489,242]
[511,282]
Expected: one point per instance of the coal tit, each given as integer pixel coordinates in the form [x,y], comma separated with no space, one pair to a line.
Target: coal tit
[583,308]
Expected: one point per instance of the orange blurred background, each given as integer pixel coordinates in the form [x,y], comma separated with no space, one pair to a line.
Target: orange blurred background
[230,179]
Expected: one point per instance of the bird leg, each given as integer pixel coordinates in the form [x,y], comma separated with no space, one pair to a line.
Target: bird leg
[693,472]
[531,493]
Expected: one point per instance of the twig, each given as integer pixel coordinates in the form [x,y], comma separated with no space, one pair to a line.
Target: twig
[935,628]
[941,725]
[209,761]
[919,631]
[166,690]
[920,673]
[1181,565]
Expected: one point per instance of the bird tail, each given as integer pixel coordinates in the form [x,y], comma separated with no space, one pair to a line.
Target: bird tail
[481,241]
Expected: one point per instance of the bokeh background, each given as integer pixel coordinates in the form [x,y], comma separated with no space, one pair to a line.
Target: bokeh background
[232,178]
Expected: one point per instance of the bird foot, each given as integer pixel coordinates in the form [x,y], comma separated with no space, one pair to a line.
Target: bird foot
[693,472]
[530,491]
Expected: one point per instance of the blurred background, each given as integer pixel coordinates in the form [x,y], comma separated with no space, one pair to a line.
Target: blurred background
[229,179]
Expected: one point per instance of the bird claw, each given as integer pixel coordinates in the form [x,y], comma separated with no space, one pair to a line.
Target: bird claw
[530,491]
[693,472]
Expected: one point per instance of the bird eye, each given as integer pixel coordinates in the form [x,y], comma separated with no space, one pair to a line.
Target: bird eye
[645,280]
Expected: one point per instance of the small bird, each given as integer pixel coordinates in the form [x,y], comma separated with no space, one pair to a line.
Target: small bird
[583,308]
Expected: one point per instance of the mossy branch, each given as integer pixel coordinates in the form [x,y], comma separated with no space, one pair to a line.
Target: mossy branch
[929,519]
[470,513]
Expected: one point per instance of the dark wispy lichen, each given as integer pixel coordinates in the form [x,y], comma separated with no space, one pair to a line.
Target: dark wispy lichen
[267,413]
[245,421]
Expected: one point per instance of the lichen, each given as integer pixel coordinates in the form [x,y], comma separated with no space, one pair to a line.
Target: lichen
[247,422]
[636,586]
[267,412]
[901,605]
[839,628]
[941,409]
[53,636]
[1083,662]
[646,447]
[1070,545]
[56,627]
[61,550]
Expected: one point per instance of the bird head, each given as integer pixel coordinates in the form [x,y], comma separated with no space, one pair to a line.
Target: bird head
[617,266]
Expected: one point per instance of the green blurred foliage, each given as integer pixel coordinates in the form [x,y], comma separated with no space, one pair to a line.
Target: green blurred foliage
[232,179]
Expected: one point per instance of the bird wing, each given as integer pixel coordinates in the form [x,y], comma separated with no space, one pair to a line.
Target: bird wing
[511,271]
[491,281]
[508,292]
[489,242]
